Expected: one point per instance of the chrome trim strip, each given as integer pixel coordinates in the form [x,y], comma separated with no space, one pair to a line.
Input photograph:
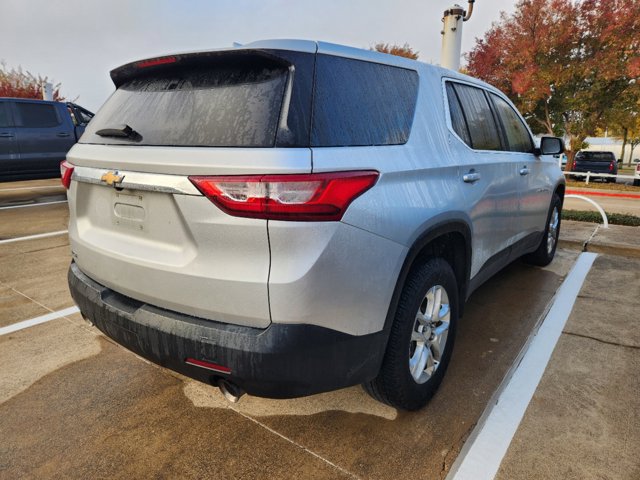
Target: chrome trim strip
[151,182]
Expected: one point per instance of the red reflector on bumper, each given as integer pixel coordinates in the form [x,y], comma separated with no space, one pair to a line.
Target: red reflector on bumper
[207,365]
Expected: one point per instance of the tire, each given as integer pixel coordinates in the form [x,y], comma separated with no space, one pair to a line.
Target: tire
[545,252]
[395,384]
[636,183]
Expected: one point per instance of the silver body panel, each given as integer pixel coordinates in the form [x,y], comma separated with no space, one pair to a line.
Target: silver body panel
[182,253]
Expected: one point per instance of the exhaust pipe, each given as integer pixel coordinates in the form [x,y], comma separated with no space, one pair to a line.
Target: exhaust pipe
[230,391]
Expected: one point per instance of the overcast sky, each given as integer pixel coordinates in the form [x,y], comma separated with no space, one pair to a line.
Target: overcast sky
[77,42]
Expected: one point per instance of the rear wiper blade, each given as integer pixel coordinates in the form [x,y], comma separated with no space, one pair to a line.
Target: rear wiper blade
[122,131]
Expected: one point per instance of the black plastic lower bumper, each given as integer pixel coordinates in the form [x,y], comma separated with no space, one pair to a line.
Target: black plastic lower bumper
[281,361]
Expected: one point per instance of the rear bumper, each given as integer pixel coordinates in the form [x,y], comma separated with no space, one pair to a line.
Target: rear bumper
[596,170]
[281,361]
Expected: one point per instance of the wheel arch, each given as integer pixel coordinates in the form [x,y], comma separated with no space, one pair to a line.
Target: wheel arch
[560,191]
[444,239]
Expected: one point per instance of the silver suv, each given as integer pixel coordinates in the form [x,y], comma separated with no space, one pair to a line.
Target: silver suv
[292,217]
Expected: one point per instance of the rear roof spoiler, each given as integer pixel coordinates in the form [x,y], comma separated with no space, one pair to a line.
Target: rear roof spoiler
[264,49]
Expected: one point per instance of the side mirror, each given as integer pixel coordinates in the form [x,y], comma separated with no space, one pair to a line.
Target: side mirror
[550,146]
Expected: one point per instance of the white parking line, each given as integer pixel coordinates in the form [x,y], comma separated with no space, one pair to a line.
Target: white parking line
[33,237]
[38,320]
[33,205]
[482,454]
[29,188]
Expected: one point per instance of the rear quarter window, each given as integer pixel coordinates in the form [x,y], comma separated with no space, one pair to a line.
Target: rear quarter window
[359,103]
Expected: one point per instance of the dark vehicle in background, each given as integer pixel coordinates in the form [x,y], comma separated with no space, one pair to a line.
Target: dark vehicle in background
[595,162]
[35,136]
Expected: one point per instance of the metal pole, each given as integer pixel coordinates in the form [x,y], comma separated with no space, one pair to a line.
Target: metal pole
[453,19]
[452,38]
[47,91]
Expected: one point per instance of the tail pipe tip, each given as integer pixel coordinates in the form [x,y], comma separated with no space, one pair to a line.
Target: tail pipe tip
[230,391]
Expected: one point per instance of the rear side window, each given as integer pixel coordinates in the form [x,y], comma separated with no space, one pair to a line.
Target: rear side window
[5,116]
[235,102]
[359,103]
[481,125]
[37,115]
[517,134]
[595,156]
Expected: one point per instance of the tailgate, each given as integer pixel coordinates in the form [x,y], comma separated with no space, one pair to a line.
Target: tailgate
[139,226]
[159,241]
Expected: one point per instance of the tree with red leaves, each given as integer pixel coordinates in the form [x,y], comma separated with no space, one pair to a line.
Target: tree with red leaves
[569,66]
[17,83]
[399,50]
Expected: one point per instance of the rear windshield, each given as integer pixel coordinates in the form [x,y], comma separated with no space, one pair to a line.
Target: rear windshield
[272,98]
[595,156]
[231,105]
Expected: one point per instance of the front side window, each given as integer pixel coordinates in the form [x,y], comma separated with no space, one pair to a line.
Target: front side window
[517,134]
[359,103]
[481,125]
[37,115]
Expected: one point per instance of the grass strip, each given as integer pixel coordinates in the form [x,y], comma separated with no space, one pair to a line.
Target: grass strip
[594,217]
[620,187]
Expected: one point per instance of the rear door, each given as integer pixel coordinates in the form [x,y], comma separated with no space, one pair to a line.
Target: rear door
[489,174]
[45,135]
[8,145]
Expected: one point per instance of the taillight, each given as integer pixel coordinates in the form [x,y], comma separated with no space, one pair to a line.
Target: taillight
[611,167]
[66,170]
[299,197]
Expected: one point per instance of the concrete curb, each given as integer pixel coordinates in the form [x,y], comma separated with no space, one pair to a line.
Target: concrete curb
[587,237]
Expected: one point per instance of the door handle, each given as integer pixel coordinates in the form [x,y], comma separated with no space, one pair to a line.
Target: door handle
[471,177]
[524,171]
[6,135]
[63,134]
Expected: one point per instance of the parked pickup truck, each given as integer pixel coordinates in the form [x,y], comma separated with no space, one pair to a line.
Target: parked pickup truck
[35,136]
[595,162]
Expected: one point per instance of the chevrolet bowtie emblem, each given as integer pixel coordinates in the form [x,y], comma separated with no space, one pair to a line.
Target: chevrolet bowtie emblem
[112,178]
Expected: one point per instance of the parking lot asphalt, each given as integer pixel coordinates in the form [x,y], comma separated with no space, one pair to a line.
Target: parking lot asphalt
[74,405]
